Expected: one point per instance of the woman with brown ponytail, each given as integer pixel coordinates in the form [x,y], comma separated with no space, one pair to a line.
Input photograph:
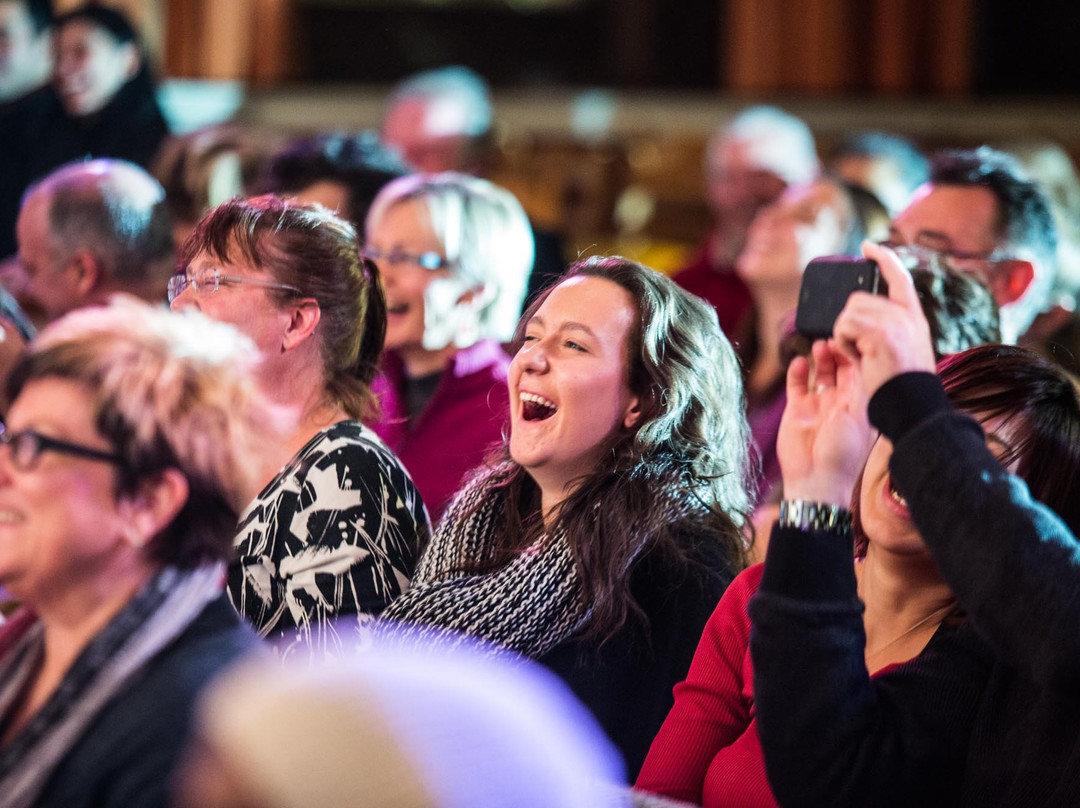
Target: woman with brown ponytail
[338,525]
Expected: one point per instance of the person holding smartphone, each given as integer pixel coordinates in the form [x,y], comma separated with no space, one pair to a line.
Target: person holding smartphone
[989,716]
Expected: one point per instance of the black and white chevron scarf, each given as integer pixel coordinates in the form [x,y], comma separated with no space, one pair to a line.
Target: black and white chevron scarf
[527,606]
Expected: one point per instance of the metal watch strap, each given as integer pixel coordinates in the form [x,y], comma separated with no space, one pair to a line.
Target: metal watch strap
[802,514]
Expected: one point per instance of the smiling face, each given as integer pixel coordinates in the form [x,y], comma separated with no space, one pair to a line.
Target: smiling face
[569,383]
[91,66]
[60,522]
[806,222]
[248,307]
[886,520]
[428,311]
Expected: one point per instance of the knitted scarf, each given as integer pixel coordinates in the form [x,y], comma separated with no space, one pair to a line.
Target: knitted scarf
[157,615]
[527,606]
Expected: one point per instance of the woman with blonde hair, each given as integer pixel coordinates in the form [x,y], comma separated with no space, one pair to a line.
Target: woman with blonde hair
[125,457]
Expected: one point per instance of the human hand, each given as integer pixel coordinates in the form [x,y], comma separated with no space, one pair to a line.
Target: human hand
[824,435]
[885,336]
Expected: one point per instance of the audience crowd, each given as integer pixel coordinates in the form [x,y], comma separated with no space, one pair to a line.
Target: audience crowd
[325,480]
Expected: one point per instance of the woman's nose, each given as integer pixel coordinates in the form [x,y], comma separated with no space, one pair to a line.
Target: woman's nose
[533,356]
[184,300]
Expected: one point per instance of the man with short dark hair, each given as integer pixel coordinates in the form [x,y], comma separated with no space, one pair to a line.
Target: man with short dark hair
[91,229]
[979,213]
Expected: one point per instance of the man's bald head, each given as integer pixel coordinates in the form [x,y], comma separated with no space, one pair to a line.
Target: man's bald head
[93,228]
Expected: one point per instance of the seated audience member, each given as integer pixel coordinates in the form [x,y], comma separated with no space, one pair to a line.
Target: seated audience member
[89,230]
[886,165]
[987,714]
[708,750]
[807,221]
[101,103]
[748,164]
[979,213]
[341,172]
[103,81]
[201,169]
[453,252]
[124,457]
[338,524]
[25,67]
[602,539]
[442,120]
[398,729]
[1056,331]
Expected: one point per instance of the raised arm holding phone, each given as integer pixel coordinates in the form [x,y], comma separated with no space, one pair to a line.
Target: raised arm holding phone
[986,715]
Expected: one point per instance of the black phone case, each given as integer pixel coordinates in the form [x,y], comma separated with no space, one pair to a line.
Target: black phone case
[826,285]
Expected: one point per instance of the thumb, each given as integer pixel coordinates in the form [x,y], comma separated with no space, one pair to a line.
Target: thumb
[895,274]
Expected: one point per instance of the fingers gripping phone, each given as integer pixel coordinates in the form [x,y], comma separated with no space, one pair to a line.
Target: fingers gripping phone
[826,284]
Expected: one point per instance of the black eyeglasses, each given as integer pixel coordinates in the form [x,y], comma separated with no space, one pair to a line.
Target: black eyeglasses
[26,447]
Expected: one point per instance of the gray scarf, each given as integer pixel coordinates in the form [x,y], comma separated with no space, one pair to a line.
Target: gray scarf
[528,605]
[157,615]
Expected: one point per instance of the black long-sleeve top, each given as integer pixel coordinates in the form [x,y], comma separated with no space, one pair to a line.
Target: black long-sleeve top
[987,715]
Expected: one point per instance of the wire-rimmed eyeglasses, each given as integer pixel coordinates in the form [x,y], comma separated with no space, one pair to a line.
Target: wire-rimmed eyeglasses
[208,280]
[429,260]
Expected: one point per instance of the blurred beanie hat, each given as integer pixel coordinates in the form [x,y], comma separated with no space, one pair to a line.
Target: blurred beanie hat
[404,728]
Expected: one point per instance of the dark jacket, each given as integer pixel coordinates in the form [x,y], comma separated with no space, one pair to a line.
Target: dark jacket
[988,717]
[627,681]
[128,754]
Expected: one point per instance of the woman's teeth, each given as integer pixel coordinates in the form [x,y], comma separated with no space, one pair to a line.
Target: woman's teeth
[896,496]
[536,408]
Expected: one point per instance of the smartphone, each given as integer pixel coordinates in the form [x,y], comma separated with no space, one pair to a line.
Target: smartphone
[826,284]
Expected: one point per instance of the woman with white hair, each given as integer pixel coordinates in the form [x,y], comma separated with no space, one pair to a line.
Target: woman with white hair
[454,253]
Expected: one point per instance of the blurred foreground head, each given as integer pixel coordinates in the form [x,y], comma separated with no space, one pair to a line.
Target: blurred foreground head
[398,728]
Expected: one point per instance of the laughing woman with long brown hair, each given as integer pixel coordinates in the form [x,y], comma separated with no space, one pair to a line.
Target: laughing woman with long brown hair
[603,537]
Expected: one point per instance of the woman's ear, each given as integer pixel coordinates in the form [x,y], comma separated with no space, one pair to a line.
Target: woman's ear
[305,316]
[633,413]
[154,506]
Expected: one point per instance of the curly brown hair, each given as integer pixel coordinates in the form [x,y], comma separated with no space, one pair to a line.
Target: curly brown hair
[676,481]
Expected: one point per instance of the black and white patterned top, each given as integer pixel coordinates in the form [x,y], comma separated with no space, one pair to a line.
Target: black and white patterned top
[337,532]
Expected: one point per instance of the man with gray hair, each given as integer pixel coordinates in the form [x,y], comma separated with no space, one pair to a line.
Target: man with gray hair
[748,164]
[91,229]
[440,120]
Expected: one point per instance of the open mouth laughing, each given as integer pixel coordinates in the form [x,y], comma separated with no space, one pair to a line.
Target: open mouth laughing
[535,407]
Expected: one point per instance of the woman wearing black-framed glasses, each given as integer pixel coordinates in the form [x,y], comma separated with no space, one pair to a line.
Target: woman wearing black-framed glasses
[118,499]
